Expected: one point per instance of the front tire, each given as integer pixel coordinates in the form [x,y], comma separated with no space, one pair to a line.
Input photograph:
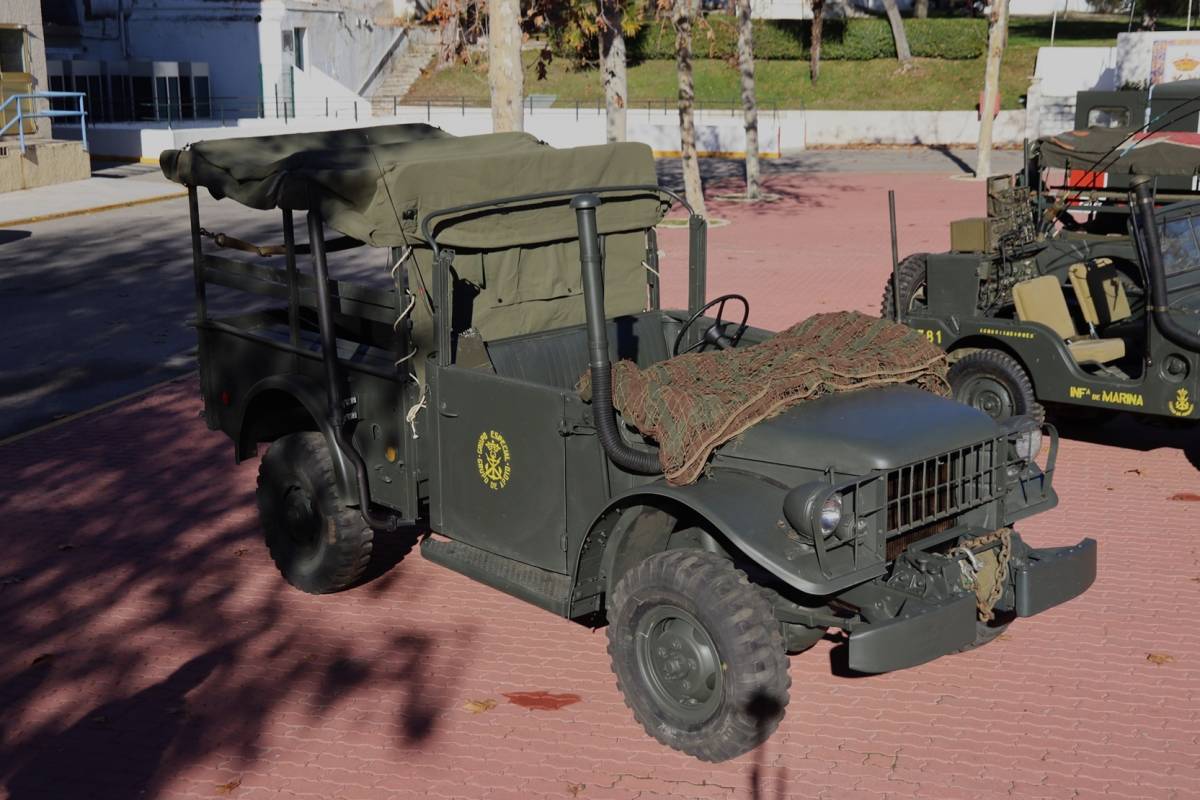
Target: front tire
[318,544]
[996,384]
[698,654]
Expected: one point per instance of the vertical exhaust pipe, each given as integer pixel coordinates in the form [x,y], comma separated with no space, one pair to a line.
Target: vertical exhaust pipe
[1141,199]
[599,364]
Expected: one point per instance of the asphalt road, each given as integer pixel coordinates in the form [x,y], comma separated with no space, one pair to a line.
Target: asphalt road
[98,306]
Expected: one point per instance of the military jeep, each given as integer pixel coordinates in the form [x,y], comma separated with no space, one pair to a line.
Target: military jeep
[445,397]
[1058,297]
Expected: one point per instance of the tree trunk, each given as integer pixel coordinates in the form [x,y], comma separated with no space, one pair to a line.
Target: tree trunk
[898,34]
[921,9]
[749,100]
[997,39]
[684,13]
[612,53]
[449,16]
[506,79]
[818,32]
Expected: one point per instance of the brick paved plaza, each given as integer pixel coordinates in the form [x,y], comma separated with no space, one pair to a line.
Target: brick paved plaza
[148,648]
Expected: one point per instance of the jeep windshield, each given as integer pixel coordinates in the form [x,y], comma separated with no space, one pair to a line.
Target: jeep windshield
[1179,233]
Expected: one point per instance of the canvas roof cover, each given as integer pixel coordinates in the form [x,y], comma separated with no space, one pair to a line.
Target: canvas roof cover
[1116,150]
[376,184]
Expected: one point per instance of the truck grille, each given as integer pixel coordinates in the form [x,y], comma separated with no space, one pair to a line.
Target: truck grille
[942,486]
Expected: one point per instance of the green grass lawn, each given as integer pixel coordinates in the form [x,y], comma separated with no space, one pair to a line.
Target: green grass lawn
[933,84]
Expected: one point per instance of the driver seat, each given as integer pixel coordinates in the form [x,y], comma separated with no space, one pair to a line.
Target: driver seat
[1042,300]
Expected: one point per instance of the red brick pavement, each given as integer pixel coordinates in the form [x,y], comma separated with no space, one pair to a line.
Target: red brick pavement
[149,650]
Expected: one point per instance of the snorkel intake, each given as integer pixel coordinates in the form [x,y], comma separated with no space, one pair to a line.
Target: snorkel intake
[591,267]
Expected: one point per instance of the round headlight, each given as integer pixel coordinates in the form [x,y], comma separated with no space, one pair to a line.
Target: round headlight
[814,510]
[830,514]
[1029,444]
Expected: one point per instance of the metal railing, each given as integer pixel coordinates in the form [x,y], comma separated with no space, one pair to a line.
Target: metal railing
[22,114]
[542,102]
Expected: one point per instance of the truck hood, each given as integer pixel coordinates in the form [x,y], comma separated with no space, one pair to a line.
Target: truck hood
[862,431]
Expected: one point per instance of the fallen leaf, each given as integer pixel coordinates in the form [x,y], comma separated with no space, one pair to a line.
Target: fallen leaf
[1134,471]
[1158,659]
[576,788]
[479,706]
[241,551]
[541,700]
[1186,497]
[44,658]
[227,788]
[1004,636]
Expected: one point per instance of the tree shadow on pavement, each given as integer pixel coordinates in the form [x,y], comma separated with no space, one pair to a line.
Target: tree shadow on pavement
[149,640]
[764,709]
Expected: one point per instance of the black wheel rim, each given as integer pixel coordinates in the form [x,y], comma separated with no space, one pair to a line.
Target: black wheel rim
[679,664]
[301,518]
[990,396]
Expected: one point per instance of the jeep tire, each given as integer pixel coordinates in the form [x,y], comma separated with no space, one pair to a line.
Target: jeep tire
[912,279]
[317,542]
[698,654]
[996,384]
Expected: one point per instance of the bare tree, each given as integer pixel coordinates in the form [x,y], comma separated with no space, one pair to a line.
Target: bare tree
[901,38]
[997,39]
[818,32]
[683,14]
[506,77]
[749,98]
[612,62]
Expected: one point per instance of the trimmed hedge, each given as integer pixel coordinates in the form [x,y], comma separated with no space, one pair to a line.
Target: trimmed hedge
[857,39]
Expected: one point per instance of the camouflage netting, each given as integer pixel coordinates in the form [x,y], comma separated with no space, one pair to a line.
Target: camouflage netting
[696,402]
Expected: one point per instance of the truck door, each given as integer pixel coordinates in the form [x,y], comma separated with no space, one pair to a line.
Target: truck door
[501,466]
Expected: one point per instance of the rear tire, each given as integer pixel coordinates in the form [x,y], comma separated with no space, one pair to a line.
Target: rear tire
[911,272]
[318,544]
[698,654]
[996,384]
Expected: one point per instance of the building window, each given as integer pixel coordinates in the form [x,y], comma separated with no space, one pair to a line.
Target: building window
[300,37]
[12,50]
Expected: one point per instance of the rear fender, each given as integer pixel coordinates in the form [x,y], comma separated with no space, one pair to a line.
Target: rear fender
[312,397]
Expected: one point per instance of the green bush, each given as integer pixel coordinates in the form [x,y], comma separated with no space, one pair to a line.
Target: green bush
[844,40]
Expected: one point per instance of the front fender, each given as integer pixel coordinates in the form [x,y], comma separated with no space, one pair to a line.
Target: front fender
[312,397]
[745,508]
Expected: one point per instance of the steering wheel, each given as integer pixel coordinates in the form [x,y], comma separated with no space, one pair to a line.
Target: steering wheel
[716,334]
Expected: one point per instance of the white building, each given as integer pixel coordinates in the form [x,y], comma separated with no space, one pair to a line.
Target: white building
[254,57]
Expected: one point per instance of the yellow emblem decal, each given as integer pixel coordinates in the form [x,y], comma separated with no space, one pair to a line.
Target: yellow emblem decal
[492,459]
[1182,405]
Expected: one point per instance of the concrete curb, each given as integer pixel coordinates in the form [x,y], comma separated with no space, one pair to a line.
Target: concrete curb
[75,212]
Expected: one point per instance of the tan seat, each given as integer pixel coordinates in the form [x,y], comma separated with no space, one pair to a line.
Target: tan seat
[1114,294]
[1041,300]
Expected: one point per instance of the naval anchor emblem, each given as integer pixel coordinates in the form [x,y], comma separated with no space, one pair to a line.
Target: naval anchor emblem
[1182,405]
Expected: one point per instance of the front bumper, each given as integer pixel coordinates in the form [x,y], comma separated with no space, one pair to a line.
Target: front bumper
[922,630]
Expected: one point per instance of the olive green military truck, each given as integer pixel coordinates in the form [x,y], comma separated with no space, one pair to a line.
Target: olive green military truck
[448,397]
[1054,297]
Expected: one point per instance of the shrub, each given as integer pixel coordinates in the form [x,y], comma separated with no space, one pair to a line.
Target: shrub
[845,40]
